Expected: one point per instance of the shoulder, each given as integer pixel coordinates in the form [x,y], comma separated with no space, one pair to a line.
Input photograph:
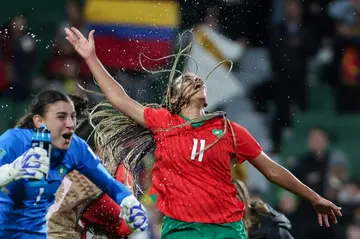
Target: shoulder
[238,129]
[77,144]
[158,117]
[16,134]
[159,111]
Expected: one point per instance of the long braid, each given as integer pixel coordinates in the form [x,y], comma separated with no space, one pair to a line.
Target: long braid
[126,142]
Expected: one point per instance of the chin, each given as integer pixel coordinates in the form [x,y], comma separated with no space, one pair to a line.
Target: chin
[62,145]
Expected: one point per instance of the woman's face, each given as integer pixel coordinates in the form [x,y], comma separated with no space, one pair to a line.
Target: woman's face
[60,119]
[192,89]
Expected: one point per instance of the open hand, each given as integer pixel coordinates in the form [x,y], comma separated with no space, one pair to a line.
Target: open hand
[326,209]
[85,47]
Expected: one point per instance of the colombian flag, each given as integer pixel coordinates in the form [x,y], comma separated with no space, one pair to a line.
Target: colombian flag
[126,28]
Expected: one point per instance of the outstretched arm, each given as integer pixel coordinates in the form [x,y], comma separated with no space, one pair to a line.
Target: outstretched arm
[282,177]
[112,90]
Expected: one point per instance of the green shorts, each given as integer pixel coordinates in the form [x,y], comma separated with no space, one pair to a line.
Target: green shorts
[173,229]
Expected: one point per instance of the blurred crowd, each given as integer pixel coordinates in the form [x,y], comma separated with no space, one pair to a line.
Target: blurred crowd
[317,38]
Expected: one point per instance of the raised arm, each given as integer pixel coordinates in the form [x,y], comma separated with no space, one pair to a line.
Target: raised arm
[282,177]
[248,149]
[112,90]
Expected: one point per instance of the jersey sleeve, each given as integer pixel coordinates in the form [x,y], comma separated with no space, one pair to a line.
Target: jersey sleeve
[11,146]
[247,147]
[89,165]
[104,212]
[156,118]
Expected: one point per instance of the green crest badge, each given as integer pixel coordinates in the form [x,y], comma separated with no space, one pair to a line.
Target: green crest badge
[62,170]
[2,153]
[217,132]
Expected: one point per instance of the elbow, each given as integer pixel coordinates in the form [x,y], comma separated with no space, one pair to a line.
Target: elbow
[273,175]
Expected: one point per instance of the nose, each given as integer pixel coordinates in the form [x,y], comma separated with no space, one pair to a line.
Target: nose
[197,79]
[70,123]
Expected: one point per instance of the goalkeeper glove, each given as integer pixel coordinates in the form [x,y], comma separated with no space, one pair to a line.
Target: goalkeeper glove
[134,213]
[33,164]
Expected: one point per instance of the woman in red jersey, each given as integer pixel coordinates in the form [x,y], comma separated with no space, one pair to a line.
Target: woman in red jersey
[191,176]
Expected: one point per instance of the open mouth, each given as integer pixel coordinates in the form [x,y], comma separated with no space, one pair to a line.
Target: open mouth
[67,136]
[198,86]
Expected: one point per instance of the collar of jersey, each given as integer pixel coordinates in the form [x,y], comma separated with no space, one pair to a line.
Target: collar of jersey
[194,125]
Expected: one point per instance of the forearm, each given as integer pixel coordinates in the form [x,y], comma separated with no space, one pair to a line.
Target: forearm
[6,175]
[103,180]
[111,88]
[283,178]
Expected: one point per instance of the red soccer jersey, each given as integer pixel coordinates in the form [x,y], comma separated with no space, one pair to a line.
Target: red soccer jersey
[193,187]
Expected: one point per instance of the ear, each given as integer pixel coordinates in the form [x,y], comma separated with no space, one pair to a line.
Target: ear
[38,120]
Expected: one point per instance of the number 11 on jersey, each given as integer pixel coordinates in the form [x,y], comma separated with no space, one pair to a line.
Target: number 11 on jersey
[195,146]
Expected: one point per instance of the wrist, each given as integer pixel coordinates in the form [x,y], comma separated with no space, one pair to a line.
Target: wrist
[315,198]
[91,59]
[7,174]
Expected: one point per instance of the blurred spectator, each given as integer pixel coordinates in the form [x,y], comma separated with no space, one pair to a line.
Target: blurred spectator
[18,49]
[63,68]
[346,68]
[247,20]
[312,168]
[316,16]
[4,82]
[353,231]
[337,174]
[350,193]
[74,18]
[291,45]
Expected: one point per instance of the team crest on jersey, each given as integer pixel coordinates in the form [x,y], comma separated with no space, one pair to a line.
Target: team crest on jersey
[2,153]
[217,132]
[62,170]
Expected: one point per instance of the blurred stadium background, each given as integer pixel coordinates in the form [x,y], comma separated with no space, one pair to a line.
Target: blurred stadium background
[295,84]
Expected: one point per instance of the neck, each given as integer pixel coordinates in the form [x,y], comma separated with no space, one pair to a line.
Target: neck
[192,112]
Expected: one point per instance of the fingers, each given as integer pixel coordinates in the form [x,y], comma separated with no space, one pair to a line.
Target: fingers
[326,220]
[338,212]
[43,169]
[91,36]
[40,151]
[70,36]
[336,209]
[40,160]
[320,219]
[77,33]
[333,216]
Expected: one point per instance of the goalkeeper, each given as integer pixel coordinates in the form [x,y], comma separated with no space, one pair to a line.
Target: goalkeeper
[23,202]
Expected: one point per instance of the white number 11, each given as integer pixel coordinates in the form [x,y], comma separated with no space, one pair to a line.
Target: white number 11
[202,147]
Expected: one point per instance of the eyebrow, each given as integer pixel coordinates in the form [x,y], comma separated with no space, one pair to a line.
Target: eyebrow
[65,113]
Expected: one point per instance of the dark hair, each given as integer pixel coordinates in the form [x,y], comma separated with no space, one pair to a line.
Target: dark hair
[85,131]
[83,128]
[39,106]
[81,107]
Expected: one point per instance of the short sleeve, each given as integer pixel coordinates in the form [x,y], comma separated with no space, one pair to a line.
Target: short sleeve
[247,147]
[11,146]
[157,118]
